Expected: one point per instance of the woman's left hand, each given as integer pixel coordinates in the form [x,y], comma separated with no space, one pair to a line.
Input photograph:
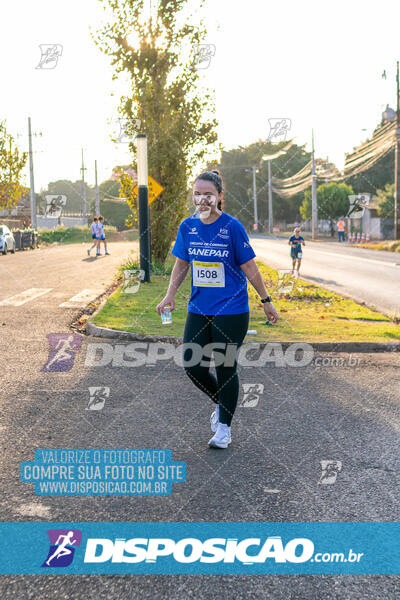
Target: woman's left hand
[270,312]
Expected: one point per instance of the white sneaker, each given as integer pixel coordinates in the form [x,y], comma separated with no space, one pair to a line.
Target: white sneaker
[222,437]
[214,419]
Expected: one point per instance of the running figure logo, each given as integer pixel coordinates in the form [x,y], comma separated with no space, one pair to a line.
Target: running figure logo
[98,396]
[203,55]
[330,470]
[286,280]
[251,394]
[62,547]
[63,347]
[278,129]
[55,204]
[357,205]
[50,55]
[127,129]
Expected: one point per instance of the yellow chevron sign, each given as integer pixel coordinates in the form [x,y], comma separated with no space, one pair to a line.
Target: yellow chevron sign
[155,189]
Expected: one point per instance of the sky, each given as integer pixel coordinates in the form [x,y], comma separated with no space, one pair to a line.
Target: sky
[318,64]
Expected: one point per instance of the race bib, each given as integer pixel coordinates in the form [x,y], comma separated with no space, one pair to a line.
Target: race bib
[299,255]
[208,274]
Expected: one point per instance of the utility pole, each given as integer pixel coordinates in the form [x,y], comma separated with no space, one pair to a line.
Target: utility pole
[270,216]
[32,181]
[397,160]
[314,206]
[255,199]
[97,209]
[143,206]
[84,204]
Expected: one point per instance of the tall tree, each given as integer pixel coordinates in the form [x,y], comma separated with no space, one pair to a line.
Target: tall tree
[158,57]
[12,161]
[332,202]
[386,202]
[236,166]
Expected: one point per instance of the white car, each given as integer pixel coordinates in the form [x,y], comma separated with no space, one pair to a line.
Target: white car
[7,242]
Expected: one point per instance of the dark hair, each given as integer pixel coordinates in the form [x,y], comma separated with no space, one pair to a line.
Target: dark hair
[216,179]
[101,218]
[95,219]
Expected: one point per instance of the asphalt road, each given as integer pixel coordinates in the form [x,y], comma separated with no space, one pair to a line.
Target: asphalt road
[368,276]
[348,413]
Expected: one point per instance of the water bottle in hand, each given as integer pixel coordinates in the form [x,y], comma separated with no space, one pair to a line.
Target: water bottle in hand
[166,316]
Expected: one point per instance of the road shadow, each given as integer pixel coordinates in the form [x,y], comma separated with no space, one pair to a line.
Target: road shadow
[92,258]
[321,281]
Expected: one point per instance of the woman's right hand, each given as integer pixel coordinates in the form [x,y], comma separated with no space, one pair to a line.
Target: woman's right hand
[166,301]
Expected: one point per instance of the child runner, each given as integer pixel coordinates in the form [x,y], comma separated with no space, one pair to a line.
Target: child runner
[216,247]
[295,243]
[102,235]
[94,233]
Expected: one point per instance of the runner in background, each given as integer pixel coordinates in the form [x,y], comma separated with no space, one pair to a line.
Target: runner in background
[217,248]
[102,235]
[95,223]
[341,227]
[295,243]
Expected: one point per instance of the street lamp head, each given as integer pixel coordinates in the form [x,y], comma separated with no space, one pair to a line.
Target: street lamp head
[389,114]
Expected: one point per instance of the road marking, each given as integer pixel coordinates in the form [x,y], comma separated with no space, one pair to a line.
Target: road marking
[25,296]
[81,299]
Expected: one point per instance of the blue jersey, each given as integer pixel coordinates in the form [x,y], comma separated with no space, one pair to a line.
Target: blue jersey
[215,252]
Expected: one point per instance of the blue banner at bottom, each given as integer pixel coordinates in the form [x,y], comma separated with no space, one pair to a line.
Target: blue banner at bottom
[200,548]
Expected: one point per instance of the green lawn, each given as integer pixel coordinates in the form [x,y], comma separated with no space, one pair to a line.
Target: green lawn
[309,313]
[77,235]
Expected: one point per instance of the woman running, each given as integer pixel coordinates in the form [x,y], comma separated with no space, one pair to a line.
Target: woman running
[102,236]
[94,234]
[295,242]
[217,248]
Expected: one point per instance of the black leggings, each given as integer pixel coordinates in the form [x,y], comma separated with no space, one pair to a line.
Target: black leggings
[208,329]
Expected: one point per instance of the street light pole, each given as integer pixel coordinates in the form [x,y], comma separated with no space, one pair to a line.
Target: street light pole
[270,217]
[144,221]
[97,195]
[31,179]
[397,161]
[84,205]
[314,207]
[255,198]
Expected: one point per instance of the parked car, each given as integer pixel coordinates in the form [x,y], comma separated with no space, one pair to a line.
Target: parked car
[7,242]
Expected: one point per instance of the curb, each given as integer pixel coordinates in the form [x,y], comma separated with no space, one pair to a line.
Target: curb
[346,347]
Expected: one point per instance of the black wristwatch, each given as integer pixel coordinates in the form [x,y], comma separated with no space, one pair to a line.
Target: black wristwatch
[267,299]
